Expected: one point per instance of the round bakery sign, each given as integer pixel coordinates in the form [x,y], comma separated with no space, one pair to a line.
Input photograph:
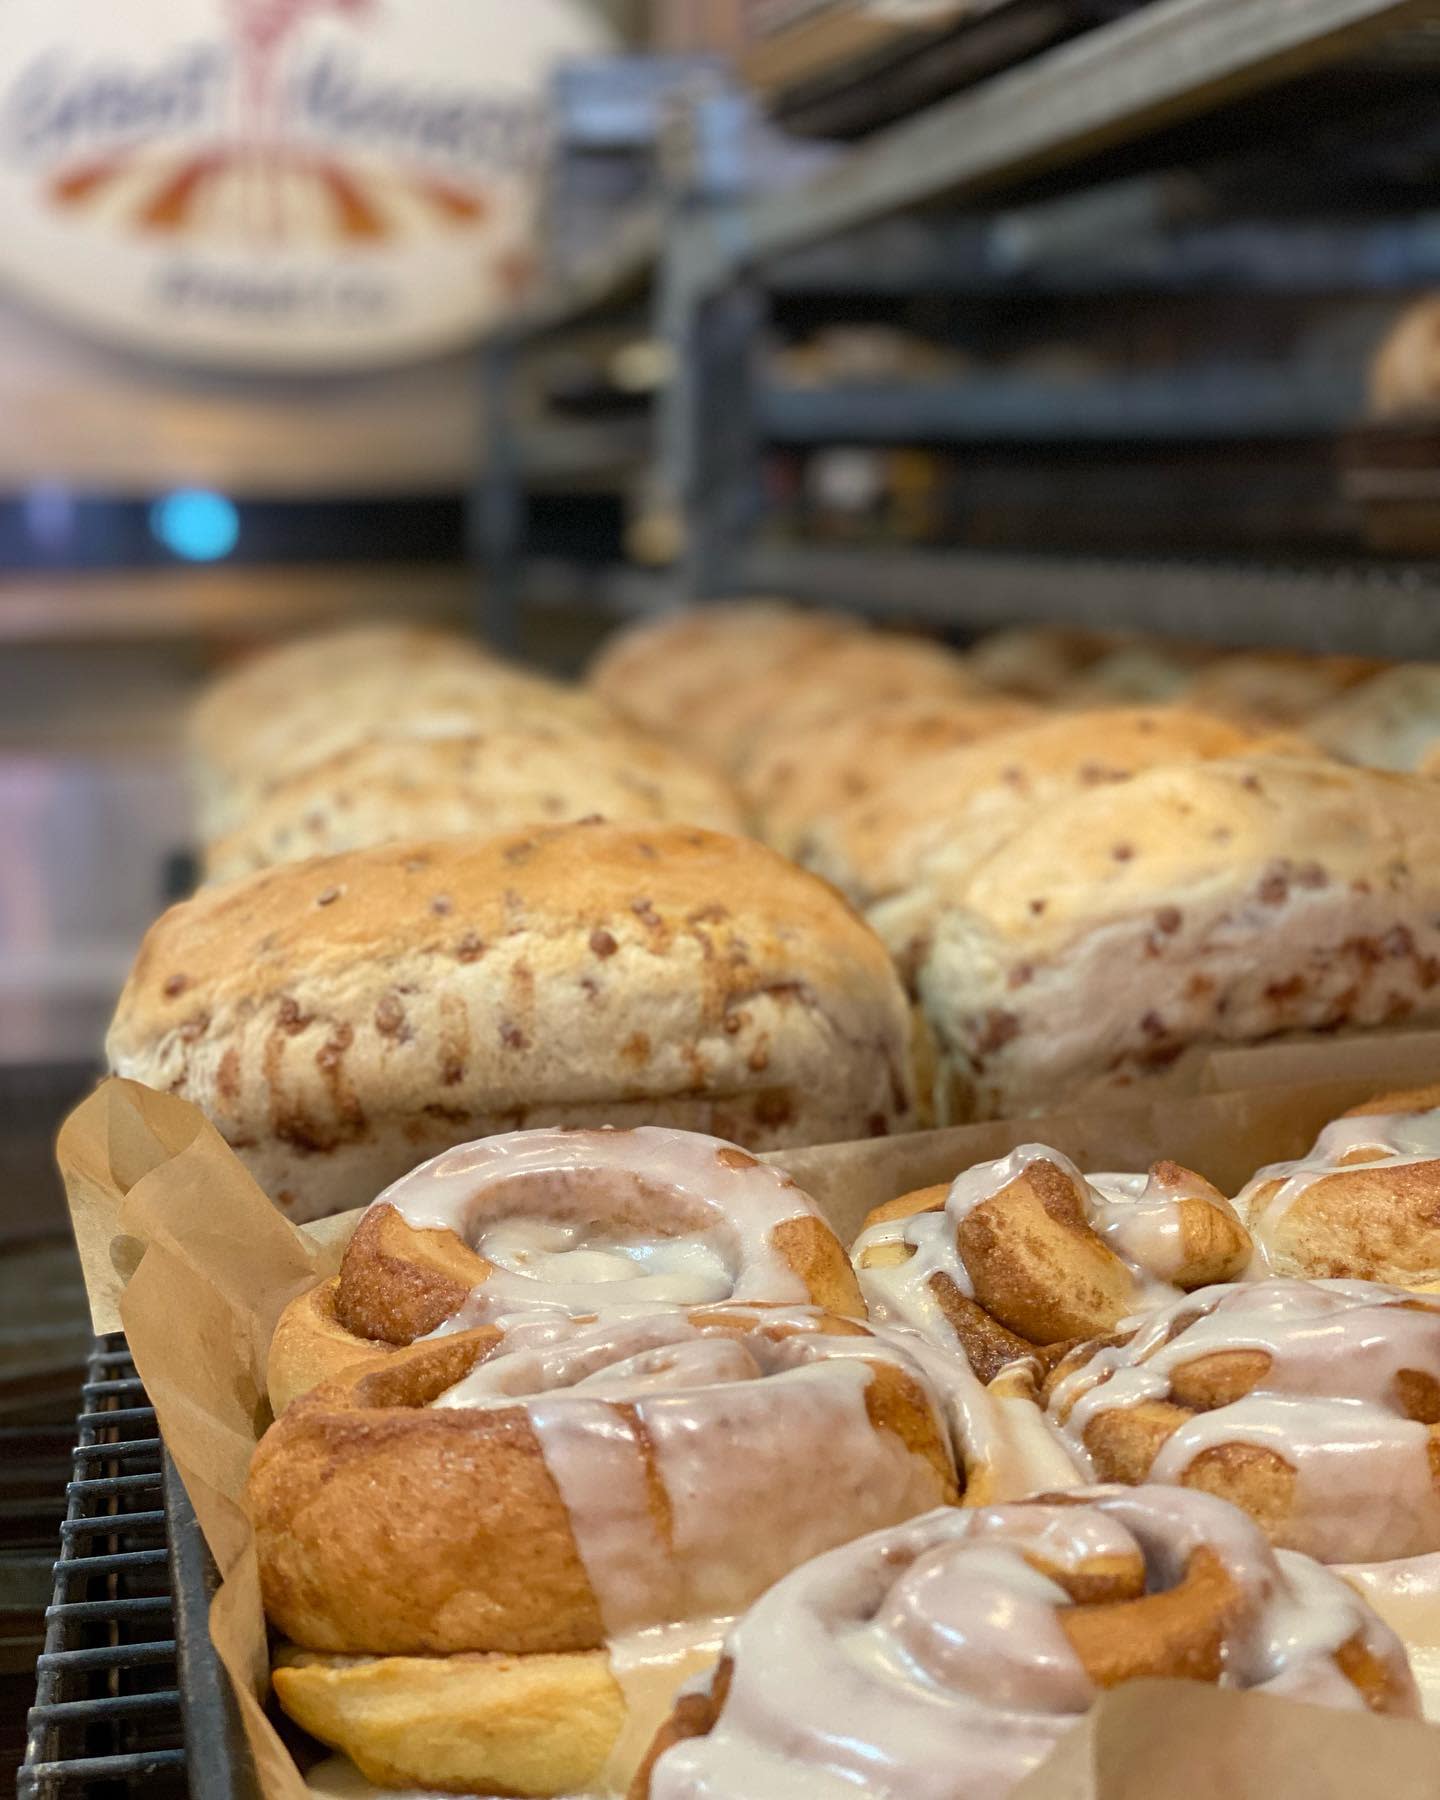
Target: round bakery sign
[276,183]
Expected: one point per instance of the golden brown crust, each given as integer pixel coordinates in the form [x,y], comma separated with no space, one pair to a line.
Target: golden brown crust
[1032,1276]
[398,1282]
[310,1345]
[1364,1213]
[342,1019]
[457,1507]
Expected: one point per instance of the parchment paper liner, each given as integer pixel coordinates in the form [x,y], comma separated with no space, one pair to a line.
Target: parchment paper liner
[183,1252]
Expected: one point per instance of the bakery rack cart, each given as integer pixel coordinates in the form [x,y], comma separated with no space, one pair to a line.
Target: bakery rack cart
[1262,170]
[129,1696]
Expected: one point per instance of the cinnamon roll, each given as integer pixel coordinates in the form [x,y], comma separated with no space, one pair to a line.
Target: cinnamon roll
[1315,1405]
[492,1513]
[1364,1203]
[944,1659]
[566,1222]
[1026,1253]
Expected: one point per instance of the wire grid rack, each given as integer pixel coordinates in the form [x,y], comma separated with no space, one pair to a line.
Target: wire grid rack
[107,1718]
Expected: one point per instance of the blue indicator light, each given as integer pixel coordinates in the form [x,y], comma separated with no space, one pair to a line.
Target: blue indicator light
[196,525]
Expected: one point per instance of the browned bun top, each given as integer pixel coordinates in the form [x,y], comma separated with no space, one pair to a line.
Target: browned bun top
[680,674]
[388,787]
[276,677]
[418,995]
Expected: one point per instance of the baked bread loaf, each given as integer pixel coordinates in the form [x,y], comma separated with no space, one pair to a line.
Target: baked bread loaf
[1026,1255]
[1365,1203]
[549,1490]
[1274,689]
[1391,721]
[343,1018]
[946,1657]
[972,796]
[567,1223]
[795,784]
[388,701]
[1200,903]
[1315,1406]
[290,674]
[691,675]
[389,787]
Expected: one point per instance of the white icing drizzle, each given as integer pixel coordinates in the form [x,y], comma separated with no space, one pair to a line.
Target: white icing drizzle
[1393,1140]
[611,1222]
[1138,1217]
[928,1662]
[1141,1218]
[1328,1404]
[721,1408]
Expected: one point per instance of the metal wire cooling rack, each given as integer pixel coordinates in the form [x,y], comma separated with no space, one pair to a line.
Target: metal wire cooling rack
[107,1719]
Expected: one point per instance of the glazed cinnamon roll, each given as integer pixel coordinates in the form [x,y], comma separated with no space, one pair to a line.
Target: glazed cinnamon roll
[1315,1405]
[1365,1202]
[497,1509]
[1026,1253]
[944,1659]
[564,1222]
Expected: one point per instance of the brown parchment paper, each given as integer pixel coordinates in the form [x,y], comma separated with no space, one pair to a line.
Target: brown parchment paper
[184,1252]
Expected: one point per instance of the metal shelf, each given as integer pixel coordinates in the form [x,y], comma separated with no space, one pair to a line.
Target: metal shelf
[1365,609]
[1169,60]
[1127,238]
[107,1704]
[1216,403]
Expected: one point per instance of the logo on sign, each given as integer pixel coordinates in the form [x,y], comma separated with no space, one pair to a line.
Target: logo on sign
[288,182]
